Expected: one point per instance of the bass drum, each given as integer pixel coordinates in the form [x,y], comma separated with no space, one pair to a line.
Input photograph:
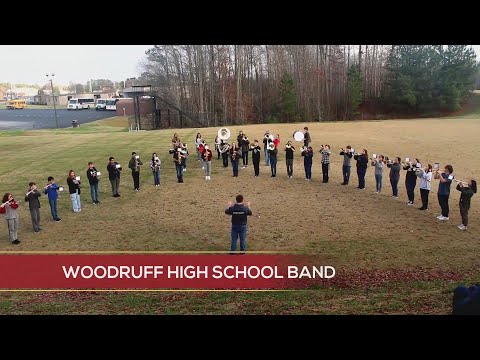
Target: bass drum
[298,135]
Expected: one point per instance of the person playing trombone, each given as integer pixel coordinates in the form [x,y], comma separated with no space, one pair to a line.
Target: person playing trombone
[467,190]
[9,208]
[34,205]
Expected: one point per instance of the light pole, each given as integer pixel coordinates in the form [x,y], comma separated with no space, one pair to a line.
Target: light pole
[53,97]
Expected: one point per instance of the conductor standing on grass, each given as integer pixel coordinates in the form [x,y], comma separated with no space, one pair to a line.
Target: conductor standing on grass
[239,213]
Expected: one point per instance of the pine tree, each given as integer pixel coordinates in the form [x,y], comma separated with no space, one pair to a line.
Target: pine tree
[288,98]
[355,90]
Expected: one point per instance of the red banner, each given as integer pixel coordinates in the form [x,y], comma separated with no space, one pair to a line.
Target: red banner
[155,271]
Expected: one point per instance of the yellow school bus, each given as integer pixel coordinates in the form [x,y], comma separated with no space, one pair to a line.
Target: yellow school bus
[16,104]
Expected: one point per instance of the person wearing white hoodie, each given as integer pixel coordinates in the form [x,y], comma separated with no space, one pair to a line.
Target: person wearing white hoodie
[425,176]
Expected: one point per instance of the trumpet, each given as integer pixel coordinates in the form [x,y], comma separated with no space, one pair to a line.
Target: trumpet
[461,182]
[288,146]
[303,148]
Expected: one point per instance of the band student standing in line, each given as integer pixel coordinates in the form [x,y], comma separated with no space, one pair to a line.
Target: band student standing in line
[272,153]
[34,205]
[114,170]
[217,147]
[9,208]
[92,176]
[289,150]
[198,141]
[244,146]
[266,142]
[74,190]
[379,164]
[394,175]
[307,154]
[325,152]
[362,164]
[225,151]
[467,191]
[51,190]
[234,157]
[411,179]
[155,166]
[443,193]
[239,213]
[207,160]
[347,163]
[185,156]
[425,176]
[135,164]
[256,149]
[306,139]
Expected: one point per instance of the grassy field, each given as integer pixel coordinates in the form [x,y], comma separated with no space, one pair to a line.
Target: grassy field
[381,242]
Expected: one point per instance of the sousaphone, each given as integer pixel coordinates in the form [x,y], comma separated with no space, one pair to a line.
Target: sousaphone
[223,134]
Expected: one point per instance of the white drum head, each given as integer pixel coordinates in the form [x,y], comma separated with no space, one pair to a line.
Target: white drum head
[298,136]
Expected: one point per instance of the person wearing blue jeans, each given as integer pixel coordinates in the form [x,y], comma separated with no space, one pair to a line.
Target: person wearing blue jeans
[74,190]
[51,190]
[239,213]
[234,156]
[273,161]
[92,176]
[266,142]
[155,166]
[379,164]
[362,164]
[347,163]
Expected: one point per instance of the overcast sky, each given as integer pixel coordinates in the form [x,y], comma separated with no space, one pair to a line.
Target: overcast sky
[74,63]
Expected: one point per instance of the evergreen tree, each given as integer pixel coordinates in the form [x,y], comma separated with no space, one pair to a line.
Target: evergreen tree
[288,98]
[355,90]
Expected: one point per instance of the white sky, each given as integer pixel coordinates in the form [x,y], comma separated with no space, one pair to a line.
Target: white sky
[74,63]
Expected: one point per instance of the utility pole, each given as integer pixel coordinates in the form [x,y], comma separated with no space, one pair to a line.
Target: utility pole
[53,97]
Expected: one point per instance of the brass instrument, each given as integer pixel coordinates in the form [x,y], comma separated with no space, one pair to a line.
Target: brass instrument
[223,134]
[303,148]
[464,183]
[271,146]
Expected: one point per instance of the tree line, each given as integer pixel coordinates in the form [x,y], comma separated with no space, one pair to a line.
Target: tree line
[237,84]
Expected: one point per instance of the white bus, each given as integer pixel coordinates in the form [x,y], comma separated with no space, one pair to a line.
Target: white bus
[80,103]
[112,103]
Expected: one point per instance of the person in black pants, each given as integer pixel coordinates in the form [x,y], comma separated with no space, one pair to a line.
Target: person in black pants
[217,147]
[272,153]
[307,162]
[114,169]
[425,176]
[325,152]
[467,191]
[394,175]
[443,193]
[411,179]
[256,149]
[244,146]
[362,164]
[134,164]
[234,157]
[289,150]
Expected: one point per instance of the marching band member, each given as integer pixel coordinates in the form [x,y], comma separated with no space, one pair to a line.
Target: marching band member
[185,156]
[224,149]
[464,203]
[240,139]
[306,139]
[347,163]
[289,150]
[443,193]
[244,146]
[307,154]
[177,159]
[272,153]
[155,165]
[256,149]
[93,181]
[198,141]
[207,160]
[266,141]
[325,151]
[217,147]
[362,164]
[134,164]
[34,205]
[394,175]
[51,191]
[201,149]
[276,141]
[9,208]
[74,190]
[114,170]
[379,164]
[175,140]
[234,156]
[425,176]
[411,179]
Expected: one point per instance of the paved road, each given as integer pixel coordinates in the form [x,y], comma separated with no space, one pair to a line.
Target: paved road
[27,119]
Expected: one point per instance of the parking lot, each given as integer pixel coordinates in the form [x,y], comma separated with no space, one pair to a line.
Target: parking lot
[27,119]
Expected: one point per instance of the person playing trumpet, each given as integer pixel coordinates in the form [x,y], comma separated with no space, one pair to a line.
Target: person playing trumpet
[362,164]
[425,176]
[240,137]
[256,149]
[9,208]
[217,147]
[114,170]
[155,166]
[175,140]
[198,141]
[51,191]
[34,205]
[445,181]
[244,146]
[307,153]
[266,142]
[185,156]
[134,164]
[325,152]
[93,182]
[272,153]
[347,163]
[207,160]
[289,150]
[394,175]
[234,157]
[379,163]
[74,190]
[411,178]
[467,190]
[178,159]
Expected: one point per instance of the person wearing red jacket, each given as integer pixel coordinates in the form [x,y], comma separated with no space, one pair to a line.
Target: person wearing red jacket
[201,150]
[207,160]
[276,141]
[9,207]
